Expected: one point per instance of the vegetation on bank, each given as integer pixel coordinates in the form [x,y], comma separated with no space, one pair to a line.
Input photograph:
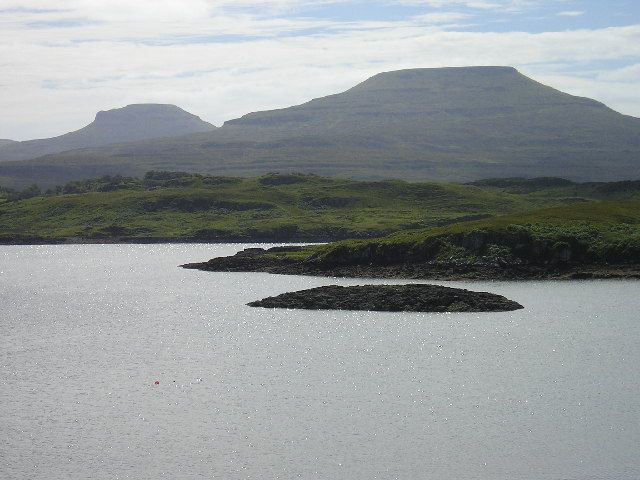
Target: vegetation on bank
[296,207]
[602,232]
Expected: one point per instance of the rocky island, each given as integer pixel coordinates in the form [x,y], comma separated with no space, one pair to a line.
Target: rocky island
[391,298]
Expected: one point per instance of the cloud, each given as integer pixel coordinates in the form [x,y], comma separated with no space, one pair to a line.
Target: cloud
[629,74]
[221,59]
[442,18]
[617,93]
[571,13]
[501,5]
[61,23]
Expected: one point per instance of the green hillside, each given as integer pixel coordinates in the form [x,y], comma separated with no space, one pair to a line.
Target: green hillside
[599,239]
[602,231]
[278,207]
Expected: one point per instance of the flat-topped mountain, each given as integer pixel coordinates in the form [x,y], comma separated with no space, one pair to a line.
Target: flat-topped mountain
[453,124]
[448,124]
[120,125]
[423,105]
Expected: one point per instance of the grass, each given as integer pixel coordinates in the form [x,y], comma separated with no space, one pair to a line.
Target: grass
[285,207]
[596,231]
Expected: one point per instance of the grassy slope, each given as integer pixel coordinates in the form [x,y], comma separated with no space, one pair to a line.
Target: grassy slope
[599,231]
[211,207]
[279,207]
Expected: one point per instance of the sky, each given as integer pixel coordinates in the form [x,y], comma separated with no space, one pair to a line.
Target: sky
[62,61]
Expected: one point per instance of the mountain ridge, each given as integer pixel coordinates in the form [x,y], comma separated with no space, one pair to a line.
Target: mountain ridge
[450,124]
[119,125]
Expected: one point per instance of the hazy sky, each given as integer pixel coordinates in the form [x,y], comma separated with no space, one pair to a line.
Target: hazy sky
[61,61]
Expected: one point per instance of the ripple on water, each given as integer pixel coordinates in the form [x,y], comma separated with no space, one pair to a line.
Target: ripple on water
[547,392]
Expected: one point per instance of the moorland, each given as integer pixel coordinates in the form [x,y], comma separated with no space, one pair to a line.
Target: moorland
[502,228]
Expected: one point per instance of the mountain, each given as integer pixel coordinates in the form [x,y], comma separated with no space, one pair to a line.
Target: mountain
[451,124]
[4,142]
[128,124]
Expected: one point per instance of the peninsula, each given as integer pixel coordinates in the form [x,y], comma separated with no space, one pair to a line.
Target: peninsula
[586,240]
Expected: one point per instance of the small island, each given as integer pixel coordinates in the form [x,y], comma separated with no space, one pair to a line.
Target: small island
[391,298]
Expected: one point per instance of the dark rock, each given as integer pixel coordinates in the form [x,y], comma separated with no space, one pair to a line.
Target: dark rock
[352,264]
[391,298]
[248,260]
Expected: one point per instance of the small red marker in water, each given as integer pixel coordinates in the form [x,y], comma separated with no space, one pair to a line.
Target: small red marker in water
[157,382]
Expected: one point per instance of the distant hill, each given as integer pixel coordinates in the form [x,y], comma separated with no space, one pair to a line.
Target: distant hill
[4,142]
[121,125]
[448,124]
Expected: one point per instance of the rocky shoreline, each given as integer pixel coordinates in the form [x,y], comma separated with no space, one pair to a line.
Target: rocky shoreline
[391,298]
[261,260]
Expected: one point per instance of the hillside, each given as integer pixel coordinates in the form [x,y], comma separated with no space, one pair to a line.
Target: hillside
[4,142]
[128,124]
[589,240]
[170,206]
[449,124]
[165,206]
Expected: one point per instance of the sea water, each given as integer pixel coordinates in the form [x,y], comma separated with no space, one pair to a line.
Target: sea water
[86,331]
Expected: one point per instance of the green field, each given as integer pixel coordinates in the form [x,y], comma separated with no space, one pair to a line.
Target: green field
[280,207]
[597,232]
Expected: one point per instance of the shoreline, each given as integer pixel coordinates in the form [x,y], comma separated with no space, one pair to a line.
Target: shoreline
[252,260]
[390,298]
[255,260]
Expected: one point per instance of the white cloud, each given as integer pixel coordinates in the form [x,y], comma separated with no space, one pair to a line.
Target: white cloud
[502,5]
[619,94]
[628,74]
[442,17]
[571,13]
[479,4]
[219,61]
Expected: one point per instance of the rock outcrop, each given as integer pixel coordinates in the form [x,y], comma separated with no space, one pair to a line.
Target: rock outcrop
[391,298]
[364,264]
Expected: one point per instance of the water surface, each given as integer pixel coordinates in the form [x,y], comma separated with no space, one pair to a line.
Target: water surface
[549,392]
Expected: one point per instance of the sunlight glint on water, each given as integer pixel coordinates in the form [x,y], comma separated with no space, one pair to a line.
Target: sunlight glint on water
[550,392]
